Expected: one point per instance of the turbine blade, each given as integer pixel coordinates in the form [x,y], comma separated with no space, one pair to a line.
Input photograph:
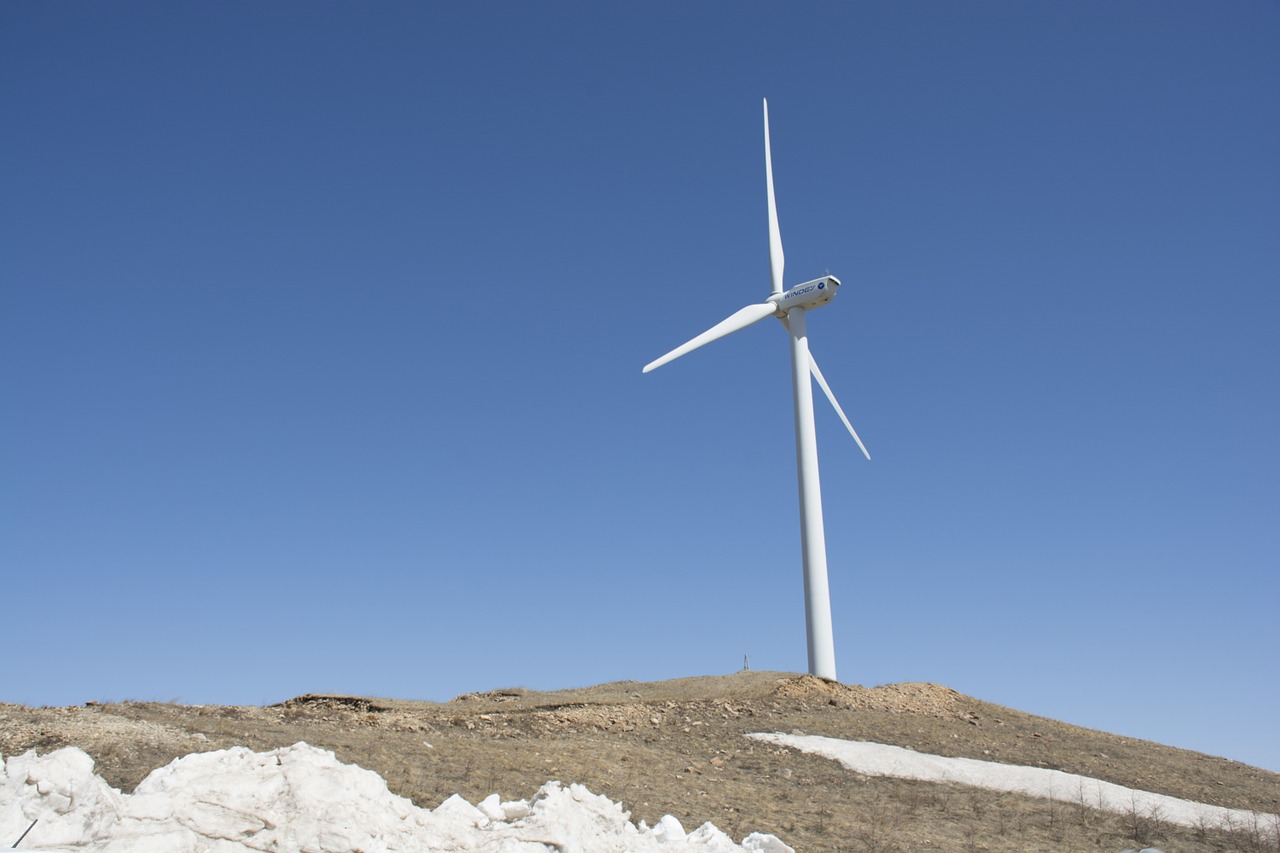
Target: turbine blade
[738,320]
[776,259]
[817,374]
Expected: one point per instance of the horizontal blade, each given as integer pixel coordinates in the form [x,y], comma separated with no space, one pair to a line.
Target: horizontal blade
[817,374]
[739,320]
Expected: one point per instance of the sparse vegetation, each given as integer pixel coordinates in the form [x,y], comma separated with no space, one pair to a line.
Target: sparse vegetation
[677,747]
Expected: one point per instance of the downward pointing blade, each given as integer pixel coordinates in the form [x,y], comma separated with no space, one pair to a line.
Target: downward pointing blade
[738,320]
[776,259]
[817,374]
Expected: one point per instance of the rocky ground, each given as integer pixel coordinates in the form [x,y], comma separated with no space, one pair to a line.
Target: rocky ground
[677,747]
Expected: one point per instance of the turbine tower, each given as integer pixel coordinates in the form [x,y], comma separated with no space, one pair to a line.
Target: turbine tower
[790,307]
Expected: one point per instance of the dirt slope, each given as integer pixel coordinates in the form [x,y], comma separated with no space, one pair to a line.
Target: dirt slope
[677,747]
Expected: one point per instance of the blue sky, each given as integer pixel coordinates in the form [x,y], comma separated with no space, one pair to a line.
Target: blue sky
[321,328]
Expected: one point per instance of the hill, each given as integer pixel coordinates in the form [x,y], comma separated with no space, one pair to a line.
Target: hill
[678,747]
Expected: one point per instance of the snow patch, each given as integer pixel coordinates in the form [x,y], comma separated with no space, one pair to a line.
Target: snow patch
[300,798]
[876,759]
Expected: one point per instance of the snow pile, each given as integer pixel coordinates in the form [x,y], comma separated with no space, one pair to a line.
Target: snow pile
[300,798]
[875,759]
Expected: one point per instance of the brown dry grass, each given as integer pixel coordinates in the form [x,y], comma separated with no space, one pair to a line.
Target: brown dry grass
[677,747]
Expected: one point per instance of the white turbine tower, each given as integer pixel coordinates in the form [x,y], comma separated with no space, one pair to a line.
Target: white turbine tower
[790,307]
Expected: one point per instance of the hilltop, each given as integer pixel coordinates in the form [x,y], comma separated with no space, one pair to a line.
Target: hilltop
[678,747]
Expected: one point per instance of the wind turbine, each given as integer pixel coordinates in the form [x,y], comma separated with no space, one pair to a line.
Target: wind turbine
[790,307]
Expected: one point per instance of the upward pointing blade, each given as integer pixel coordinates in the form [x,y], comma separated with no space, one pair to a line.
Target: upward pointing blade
[776,259]
[817,374]
[738,320]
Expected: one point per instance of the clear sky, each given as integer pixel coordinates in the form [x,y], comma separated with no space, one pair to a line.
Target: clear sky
[321,327]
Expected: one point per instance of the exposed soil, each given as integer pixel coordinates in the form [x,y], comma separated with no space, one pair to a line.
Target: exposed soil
[677,747]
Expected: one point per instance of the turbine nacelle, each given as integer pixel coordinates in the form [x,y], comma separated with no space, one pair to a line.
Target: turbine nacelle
[811,294]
